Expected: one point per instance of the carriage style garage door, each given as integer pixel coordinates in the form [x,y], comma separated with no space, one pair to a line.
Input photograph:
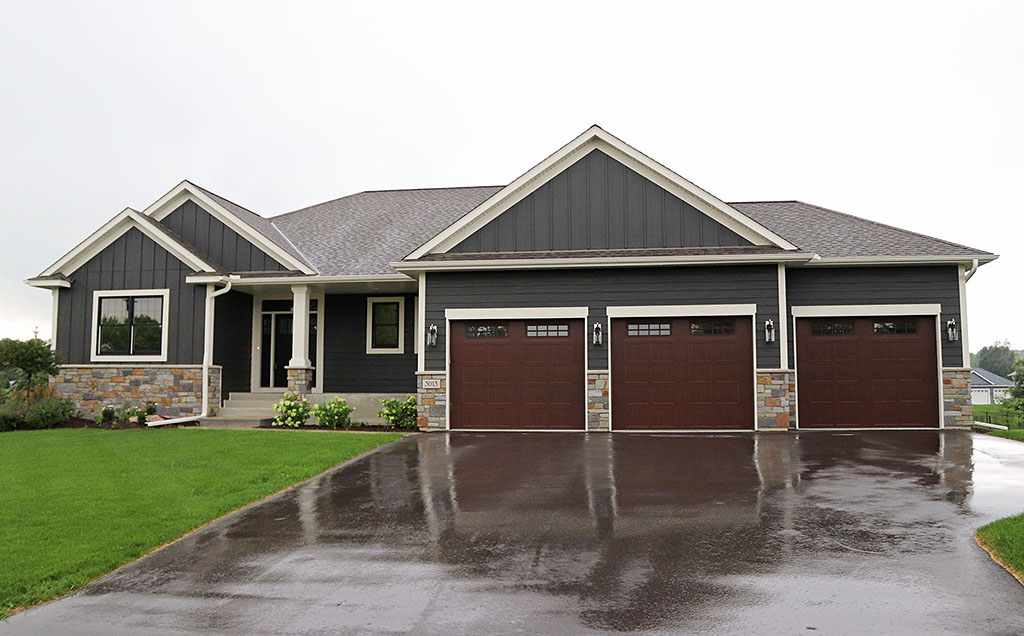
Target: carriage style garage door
[517,374]
[867,372]
[682,374]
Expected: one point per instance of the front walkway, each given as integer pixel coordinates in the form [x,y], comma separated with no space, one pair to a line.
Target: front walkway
[568,533]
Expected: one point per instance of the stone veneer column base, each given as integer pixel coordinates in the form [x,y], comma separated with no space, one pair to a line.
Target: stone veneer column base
[598,413]
[775,404]
[956,399]
[431,402]
[300,379]
[176,390]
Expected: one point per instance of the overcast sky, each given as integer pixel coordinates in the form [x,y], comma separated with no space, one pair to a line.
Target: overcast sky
[911,114]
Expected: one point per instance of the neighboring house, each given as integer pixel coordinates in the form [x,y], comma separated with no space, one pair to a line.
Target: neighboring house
[598,291]
[987,387]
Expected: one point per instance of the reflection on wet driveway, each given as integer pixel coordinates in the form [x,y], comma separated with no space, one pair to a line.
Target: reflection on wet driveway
[569,533]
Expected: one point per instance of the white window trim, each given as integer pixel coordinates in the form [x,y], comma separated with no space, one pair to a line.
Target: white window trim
[370,302]
[516,313]
[862,311]
[108,293]
[686,311]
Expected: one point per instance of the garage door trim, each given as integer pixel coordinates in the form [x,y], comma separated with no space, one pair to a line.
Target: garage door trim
[512,313]
[683,311]
[868,311]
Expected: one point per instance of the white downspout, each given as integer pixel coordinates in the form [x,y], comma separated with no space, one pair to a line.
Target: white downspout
[207,358]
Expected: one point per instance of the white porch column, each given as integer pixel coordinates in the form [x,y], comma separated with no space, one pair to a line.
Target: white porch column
[300,327]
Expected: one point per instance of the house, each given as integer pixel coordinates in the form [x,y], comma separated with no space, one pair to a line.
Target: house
[598,291]
[987,387]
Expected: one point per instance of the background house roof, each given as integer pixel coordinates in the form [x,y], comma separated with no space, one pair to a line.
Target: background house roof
[982,378]
[832,234]
[362,233]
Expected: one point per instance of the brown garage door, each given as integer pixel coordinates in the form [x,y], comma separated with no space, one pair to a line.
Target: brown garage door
[516,374]
[867,372]
[682,374]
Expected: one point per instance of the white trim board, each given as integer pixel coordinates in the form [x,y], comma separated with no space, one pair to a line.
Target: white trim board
[116,293]
[186,190]
[596,138]
[861,311]
[516,313]
[600,261]
[114,229]
[681,311]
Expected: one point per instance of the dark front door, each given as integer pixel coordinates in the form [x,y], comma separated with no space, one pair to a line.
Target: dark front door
[682,374]
[516,374]
[867,372]
[275,349]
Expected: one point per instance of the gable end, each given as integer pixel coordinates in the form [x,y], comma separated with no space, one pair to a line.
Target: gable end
[218,241]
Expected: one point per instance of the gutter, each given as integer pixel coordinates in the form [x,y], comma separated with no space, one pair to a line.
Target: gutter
[207,359]
[974,269]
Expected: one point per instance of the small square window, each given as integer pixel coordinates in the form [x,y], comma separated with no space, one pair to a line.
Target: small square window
[649,329]
[547,331]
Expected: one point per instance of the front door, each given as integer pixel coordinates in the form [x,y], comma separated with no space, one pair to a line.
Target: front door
[277,323]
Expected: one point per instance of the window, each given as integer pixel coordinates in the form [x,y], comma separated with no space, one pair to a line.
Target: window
[130,325]
[832,328]
[712,327]
[486,331]
[550,331]
[649,329]
[890,326]
[385,325]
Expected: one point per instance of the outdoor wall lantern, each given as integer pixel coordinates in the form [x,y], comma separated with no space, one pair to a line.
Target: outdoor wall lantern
[432,336]
[769,330]
[598,334]
[951,331]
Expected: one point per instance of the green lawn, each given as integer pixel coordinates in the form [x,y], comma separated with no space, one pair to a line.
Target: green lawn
[1005,539]
[997,414]
[75,504]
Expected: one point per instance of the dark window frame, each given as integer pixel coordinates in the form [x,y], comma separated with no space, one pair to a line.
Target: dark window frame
[131,326]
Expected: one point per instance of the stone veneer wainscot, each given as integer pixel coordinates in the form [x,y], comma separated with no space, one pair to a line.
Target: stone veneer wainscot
[957,411]
[176,390]
[775,404]
[431,403]
[597,401]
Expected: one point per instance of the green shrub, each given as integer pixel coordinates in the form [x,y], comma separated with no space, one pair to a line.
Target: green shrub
[106,415]
[48,413]
[293,411]
[398,413]
[10,418]
[151,409]
[333,414]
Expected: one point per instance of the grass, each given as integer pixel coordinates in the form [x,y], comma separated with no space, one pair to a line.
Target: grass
[1004,539]
[997,414]
[76,504]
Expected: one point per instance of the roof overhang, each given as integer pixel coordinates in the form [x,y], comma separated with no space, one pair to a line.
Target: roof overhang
[48,283]
[867,261]
[365,283]
[598,262]
[597,138]
[110,232]
[186,191]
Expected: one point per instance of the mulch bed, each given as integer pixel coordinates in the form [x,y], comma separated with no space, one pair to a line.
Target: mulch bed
[364,427]
[78,422]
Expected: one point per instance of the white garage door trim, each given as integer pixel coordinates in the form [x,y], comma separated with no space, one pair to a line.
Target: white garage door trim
[867,311]
[681,311]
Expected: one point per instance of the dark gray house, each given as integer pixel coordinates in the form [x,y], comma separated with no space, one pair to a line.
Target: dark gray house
[598,291]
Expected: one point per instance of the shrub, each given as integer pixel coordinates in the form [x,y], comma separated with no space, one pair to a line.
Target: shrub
[333,414]
[106,415]
[398,413]
[48,413]
[151,409]
[10,418]
[32,359]
[293,411]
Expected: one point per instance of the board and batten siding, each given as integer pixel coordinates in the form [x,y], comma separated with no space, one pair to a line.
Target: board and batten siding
[347,366]
[881,286]
[599,203]
[224,246]
[600,288]
[133,261]
[232,340]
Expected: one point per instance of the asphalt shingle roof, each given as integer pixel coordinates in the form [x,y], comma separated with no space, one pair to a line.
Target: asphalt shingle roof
[362,233]
[832,234]
[990,378]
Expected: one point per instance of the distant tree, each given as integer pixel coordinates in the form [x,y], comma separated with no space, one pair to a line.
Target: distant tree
[1016,400]
[997,358]
[32,358]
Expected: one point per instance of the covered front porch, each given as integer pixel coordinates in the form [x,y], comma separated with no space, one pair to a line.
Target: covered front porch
[355,339]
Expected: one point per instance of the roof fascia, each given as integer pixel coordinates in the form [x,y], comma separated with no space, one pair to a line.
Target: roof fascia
[591,139]
[298,280]
[47,283]
[114,229]
[938,259]
[597,261]
[186,190]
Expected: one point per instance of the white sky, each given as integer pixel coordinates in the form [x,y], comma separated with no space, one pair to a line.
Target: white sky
[911,114]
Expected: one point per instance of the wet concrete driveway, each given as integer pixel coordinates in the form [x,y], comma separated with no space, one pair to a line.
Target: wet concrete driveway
[569,533]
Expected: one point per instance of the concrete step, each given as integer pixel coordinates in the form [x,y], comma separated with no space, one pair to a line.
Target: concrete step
[238,412]
[257,398]
[233,422]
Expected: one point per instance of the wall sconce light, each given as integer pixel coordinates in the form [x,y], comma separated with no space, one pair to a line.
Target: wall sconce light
[769,330]
[432,336]
[598,333]
[951,330]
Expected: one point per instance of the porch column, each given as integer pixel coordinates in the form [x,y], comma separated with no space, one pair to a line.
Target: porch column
[300,370]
